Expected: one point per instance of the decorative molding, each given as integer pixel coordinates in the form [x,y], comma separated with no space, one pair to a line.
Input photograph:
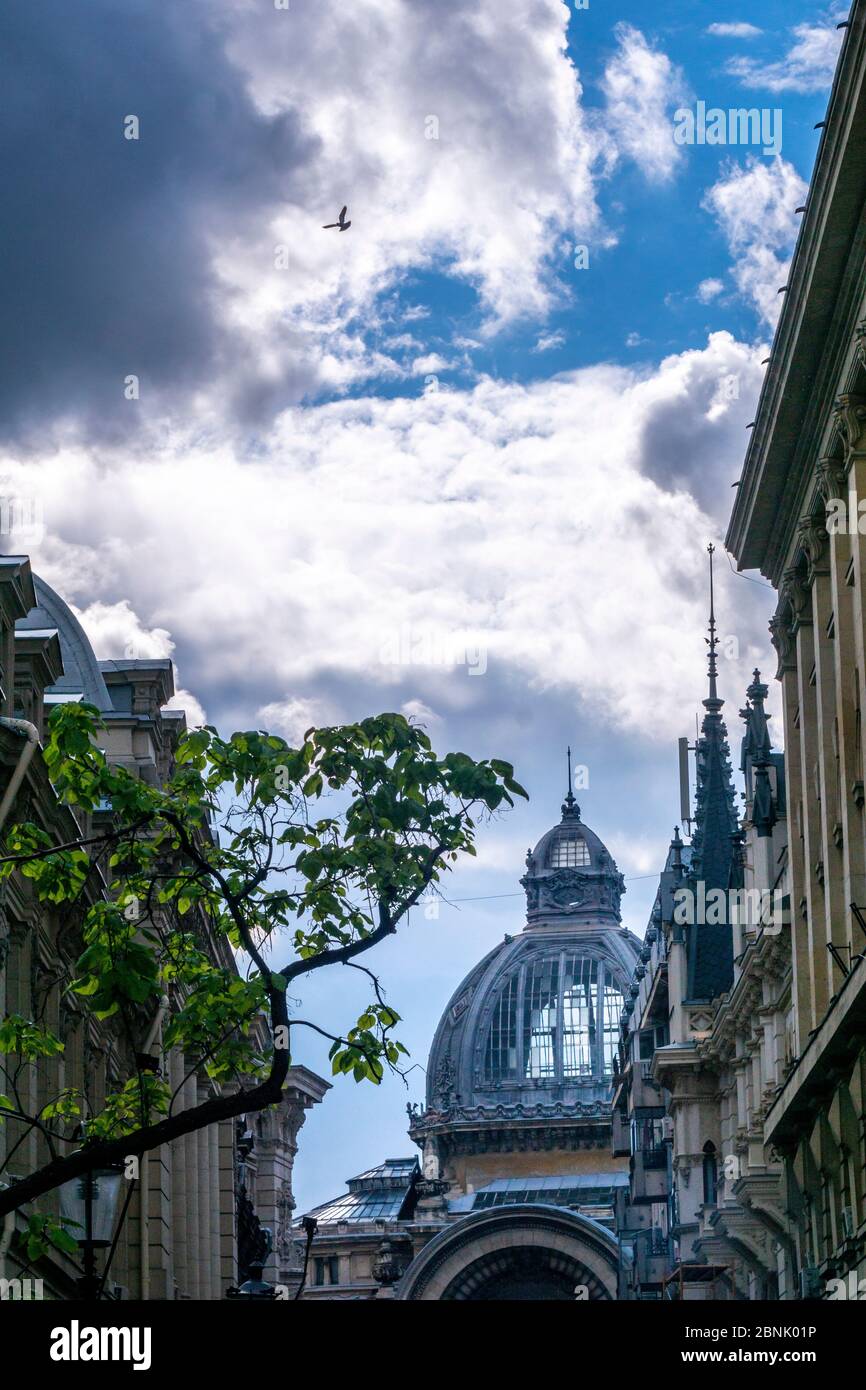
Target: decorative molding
[849,414]
[782,639]
[831,476]
[797,595]
[814,540]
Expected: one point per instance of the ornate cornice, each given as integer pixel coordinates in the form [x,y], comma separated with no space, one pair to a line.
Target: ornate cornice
[814,541]
[849,416]
[782,639]
[831,476]
[795,593]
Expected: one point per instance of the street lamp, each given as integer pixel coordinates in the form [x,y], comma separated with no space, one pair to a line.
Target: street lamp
[89,1204]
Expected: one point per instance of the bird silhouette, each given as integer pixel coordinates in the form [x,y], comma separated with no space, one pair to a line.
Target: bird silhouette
[342,223]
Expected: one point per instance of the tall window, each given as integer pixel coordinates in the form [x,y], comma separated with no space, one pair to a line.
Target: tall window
[711,1176]
[540,1017]
[579,1016]
[555,1018]
[568,853]
[611,1010]
[501,1054]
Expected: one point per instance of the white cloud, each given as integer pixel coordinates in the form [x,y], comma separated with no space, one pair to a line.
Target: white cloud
[754,205]
[471,153]
[419,713]
[431,362]
[708,290]
[293,717]
[192,708]
[528,515]
[641,87]
[735,31]
[546,342]
[808,66]
[116,632]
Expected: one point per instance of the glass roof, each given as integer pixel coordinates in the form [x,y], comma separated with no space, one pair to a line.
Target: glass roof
[375,1195]
[361,1206]
[560,1190]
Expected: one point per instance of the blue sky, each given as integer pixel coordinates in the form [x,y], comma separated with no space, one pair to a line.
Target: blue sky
[427,464]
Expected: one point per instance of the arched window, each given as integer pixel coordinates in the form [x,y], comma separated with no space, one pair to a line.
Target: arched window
[568,852]
[711,1175]
[555,1018]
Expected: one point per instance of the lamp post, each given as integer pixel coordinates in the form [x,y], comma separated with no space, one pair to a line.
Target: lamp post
[89,1204]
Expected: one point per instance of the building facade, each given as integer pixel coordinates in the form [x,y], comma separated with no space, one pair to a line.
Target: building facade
[799,520]
[515,1192]
[211,1202]
[705,1048]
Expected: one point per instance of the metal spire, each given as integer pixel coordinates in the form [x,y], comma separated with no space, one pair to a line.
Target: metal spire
[712,642]
[569,805]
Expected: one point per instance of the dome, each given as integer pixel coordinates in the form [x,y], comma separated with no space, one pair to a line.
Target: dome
[537,1020]
[571,875]
[82,678]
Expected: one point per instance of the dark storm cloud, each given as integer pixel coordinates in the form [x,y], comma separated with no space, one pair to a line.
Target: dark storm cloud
[107,242]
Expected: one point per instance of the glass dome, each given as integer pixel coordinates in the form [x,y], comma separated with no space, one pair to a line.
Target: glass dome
[555,1018]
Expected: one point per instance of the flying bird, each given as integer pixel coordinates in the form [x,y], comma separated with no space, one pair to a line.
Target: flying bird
[342,224]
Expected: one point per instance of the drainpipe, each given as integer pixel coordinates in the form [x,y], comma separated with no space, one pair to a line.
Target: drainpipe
[31,734]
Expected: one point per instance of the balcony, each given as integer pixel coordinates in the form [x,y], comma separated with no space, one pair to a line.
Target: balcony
[651,1259]
[649,1174]
[620,1139]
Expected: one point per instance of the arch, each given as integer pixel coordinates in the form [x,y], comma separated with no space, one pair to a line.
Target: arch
[710,1171]
[525,1251]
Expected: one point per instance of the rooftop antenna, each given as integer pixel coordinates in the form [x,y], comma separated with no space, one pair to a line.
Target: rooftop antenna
[685,795]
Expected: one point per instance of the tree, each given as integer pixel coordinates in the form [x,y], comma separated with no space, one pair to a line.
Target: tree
[324,849]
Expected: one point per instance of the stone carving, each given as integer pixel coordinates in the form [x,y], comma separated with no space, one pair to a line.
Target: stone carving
[443,1087]
[812,535]
[850,417]
[796,593]
[831,477]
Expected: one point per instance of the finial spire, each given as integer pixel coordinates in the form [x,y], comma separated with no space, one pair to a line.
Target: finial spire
[712,641]
[569,805]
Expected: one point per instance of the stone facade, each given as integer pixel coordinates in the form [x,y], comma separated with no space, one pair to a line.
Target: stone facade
[799,519]
[515,1193]
[206,1202]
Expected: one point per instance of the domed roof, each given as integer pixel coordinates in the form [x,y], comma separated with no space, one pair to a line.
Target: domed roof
[571,874]
[82,678]
[537,1020]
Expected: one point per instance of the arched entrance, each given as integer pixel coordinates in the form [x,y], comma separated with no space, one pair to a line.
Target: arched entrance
[515,1253]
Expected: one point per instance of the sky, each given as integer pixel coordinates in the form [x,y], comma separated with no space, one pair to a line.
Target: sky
[462,460]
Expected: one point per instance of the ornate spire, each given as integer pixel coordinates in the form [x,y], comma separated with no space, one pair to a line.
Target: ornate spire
[570,808]
[710,946]
[713,703]
[757,755]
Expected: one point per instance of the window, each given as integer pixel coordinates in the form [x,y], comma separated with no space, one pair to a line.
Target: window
[333,1269]
[580,1014]
[555,1018]
[501,1057]
[568,853]
[711,1176]
[319,1272]
[540,1017]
